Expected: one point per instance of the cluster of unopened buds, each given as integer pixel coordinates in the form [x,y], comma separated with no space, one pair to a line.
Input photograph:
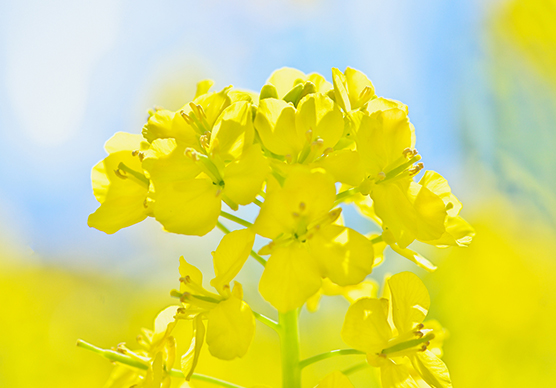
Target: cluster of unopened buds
[298,150]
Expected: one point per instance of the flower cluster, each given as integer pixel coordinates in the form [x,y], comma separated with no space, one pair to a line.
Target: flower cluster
[298,149]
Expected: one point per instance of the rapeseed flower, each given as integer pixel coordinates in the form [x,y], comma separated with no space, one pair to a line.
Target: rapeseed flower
[392,334]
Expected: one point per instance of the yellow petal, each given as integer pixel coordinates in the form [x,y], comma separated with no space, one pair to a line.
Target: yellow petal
[345,166]
[165,161]
[164,323]
[432,369]
[366,325]
[285,79]
[360,88]
[307,196]
[203,87]
[413,256]
[275,124]
[381,139]
[188,270]
[396,376]
[321,84]
[291,276]
[213,104]
[165,124]
[318,113]
[340,90]
[117,213]
[188,207]
[458,233]
[439,186]
[233,131]
[229,257]
[123,141]
[335,379]
[382,103]
[410,301]
[190,359]
[244,177]
[345,256]
[230,329]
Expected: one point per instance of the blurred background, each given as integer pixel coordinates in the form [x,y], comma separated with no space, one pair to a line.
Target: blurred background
[479,78]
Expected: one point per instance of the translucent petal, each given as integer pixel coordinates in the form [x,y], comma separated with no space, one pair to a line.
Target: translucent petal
[233,131]
[345,256]
[230,329]
[318,113]
[432,369]
[307,195]
[439,186]
[345,166]
[213,104]
[117,213]
[188,207]
[190,359]
[356,82]
[230,255]
[244,177]
[123,141]
[340,90]
[189,270]
[285,79]
[396,376]
[382,103]
[275,124]
[165,161]
[164,323]
[165,124]
[291,276]
[335,379]
[382,138]
[366,325]
[410,301]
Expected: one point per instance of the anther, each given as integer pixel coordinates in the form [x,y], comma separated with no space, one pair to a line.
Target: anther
[186,117]
[408,153]
[145,203]
[381,176]
[288,158]
[419,326]
[191,154]
[120,173]
[419,334]
[135,153]
[295,215]
[309,135]
[302,206]
[366,93]
[327,151]
[423,348]
[317,143]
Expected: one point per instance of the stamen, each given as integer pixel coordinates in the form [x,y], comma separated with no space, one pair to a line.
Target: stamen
[288,158]
[302,206]
[317,143]
[309,135]
[381,176]
[186,118]
[191,154]
[327,151]
[120,173]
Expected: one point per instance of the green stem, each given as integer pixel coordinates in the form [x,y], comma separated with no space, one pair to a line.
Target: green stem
[258,202]
[238,220]
[267,321]
[289,346]
[324,356]
[393,173]
[129,361]
[141,179]
[355,368]
[340,197]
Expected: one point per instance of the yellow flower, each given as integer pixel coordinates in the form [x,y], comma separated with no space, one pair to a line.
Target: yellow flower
[120,185]
[352,89]
[392,334]
[291,85]
[158,352]
[230,323]
[306,245]
[189,183]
